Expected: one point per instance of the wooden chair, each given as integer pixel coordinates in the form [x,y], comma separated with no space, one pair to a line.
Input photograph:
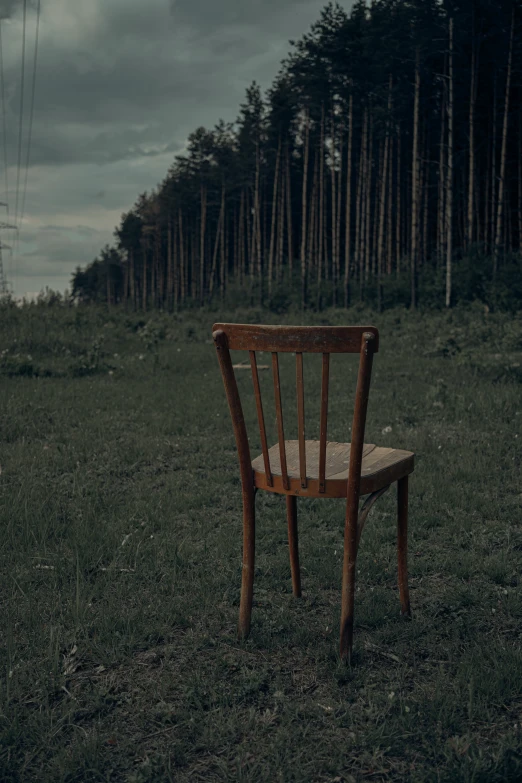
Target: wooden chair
[310,468]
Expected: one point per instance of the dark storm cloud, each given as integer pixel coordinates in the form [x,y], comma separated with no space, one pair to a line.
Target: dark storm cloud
[207,16]
[86,231]
[120,86]
[61,146]
[107,94]
[8,7]
[137,77]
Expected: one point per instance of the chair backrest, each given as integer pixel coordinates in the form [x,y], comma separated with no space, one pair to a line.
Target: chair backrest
[363,340]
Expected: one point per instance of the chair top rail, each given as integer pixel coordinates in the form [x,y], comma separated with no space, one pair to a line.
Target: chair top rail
[296,339]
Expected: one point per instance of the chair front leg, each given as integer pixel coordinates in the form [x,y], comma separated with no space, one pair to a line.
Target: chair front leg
[402,544]
[348,588]
[249,545]
[291,514]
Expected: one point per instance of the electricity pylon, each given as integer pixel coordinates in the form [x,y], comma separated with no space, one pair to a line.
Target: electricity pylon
[4,288]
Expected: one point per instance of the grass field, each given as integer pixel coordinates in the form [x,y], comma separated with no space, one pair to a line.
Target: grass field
[120,561]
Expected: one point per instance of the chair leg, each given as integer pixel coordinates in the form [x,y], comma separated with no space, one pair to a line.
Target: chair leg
[291,514]
[348,588]
[402,544]
[247,579]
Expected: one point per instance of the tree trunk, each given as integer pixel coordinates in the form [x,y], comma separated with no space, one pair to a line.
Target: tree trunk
[256,228]
[347,229]
[169,265]
[303,209]
[241,238]
[194,261]
[508,244]
[132,279]
[441,214]
[333,210]
[144,292]
[235,245]
[383,189]
[519,189]
[471,164]
[250,243]
[108,280]
[280,228]
[376,211]
[182,276]
[503,153]
[368,200]
[321,211]
[449,179]
[338,216]
[312,218]
[162,271]
[425,197]
[290,243]
[152,294]
[389,229]
[216,244]
[202,244]
[126,285]
[414,183]
[493,193]
[175,263]
[273,221]
[398,224]
[223,248]
[359,204]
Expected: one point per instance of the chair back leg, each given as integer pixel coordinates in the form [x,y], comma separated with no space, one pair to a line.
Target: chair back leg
[402,544]
[249,545]
[348,586]
[291,514]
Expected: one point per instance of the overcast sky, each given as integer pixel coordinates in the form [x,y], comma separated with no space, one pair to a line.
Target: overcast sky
[120,85]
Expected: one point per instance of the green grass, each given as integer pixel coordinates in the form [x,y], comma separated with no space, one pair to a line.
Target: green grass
[120,560]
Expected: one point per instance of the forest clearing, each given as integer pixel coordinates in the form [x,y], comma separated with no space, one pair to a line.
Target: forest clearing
[376,181]
[121,560]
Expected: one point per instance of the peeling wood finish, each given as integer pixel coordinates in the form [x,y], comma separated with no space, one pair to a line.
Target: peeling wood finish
[313,468]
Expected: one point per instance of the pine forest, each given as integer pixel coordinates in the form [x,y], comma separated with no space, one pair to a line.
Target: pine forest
[383,165]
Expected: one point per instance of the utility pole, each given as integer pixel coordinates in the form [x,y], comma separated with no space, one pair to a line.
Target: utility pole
[4,289]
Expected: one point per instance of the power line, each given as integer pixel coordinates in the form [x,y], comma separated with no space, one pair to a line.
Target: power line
[18,218]
[31,112]
[20,125]
[4,120]
[3,281]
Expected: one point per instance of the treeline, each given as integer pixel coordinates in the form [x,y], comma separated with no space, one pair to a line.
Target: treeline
[387,153]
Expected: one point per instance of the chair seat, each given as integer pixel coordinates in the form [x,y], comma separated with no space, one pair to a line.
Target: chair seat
[381,466]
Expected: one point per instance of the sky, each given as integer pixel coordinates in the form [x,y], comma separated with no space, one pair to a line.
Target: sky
[120,84]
